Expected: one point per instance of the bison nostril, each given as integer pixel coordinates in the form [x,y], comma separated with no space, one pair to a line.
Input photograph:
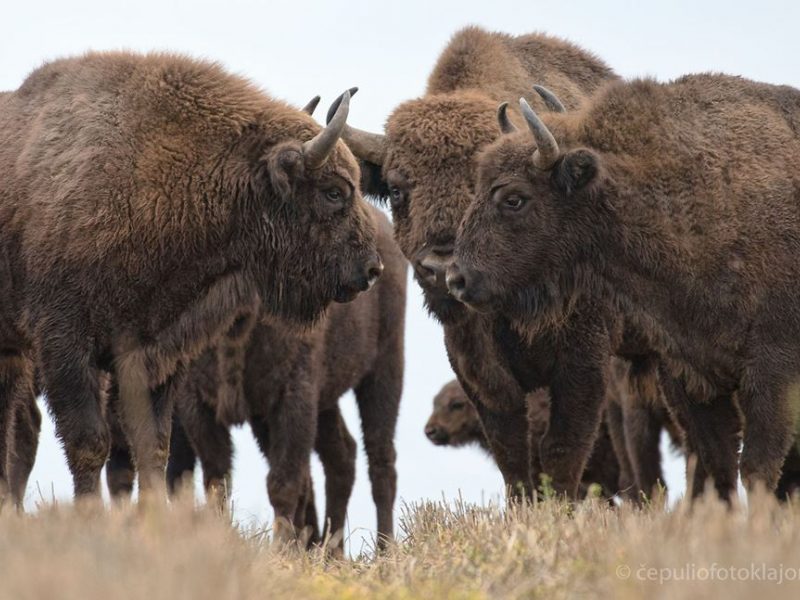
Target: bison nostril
[431,432]
[374,272]
[456,282]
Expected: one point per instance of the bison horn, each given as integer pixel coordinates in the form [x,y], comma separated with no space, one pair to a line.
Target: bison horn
[506,126]
[550,99]
[367,146]
[317,149]
[546,152]
[312,105]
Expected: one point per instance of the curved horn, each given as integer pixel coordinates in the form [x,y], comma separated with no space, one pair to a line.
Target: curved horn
[335,104]
[311,106]
[546,153]
[317,149]
[550,99]
[365,145]
[506,126]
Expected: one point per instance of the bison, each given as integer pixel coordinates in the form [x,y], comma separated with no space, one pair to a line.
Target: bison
[678,202]
[424,166]
[144,200]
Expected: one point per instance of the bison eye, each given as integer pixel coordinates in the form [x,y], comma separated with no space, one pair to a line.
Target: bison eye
[456,406]
[396,197]
[334,195]
[513,202]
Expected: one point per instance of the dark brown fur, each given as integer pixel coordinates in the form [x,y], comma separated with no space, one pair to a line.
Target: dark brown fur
[678,202]
[428,176]
[144,199]
[292,382]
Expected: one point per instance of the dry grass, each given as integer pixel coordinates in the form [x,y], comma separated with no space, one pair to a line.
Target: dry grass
[461,551]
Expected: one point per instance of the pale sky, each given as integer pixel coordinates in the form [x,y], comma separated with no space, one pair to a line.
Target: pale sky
[296,50]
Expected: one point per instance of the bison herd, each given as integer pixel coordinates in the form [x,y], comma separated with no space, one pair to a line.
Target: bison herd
[180,253]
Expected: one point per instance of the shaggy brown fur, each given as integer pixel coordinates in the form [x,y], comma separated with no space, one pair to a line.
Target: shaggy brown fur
[144,199]
[455,422]
[428,176]
[292,383]
[677,201]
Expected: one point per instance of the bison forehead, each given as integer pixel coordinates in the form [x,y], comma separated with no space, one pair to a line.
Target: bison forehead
[510,155]
[443,127]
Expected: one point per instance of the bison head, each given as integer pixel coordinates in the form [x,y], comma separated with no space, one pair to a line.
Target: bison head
[315,238]
[454,420]
[520,245]
[423,166]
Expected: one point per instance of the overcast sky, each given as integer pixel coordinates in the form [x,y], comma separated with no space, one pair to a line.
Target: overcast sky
[296,50]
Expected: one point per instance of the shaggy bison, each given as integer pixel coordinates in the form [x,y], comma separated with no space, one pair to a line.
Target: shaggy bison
[144,199]
[291,382]
[677,201]
[424,166]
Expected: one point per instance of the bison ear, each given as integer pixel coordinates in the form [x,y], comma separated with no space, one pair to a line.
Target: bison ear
[576,170]
[284,165]
[372,181]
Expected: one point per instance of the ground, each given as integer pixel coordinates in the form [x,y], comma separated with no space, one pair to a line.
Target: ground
[452,550]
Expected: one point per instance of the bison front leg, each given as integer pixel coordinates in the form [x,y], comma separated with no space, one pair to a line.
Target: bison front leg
[146,417]
[77,401]
[120,470]
[305,517]
[378,397]
[27,425]
[712,435]
[507,435]
[337,452]
[182,458]
[576,404]
[212,443]
[643,418]
[769,404]
[286,437]
[616,430]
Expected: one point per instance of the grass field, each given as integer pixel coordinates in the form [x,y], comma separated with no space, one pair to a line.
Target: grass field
[449,551]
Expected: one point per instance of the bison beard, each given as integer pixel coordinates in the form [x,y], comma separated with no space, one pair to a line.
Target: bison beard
[145,200]
[643,199]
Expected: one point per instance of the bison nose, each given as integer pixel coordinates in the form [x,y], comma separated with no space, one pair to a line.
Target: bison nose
[432,263]
[374,270]
[456,282]
[436,434]
[468,286]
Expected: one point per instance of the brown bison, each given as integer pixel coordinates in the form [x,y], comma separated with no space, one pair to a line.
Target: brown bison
[290,383]
[678,202]
[144,199]
[424,165]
